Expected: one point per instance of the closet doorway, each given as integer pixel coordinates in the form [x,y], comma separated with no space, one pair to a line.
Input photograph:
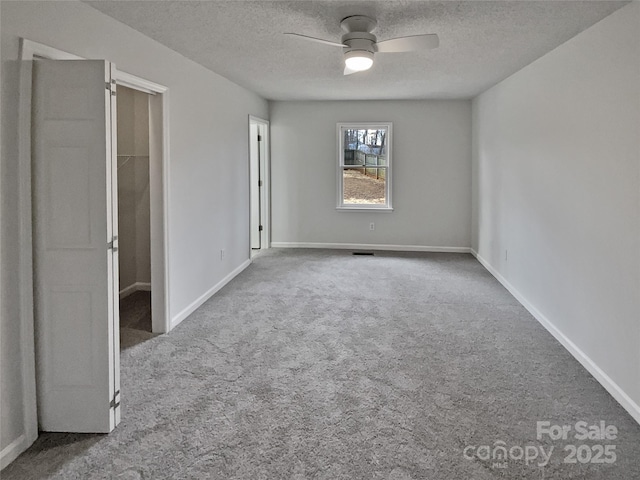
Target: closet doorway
[81,353]
[134,215]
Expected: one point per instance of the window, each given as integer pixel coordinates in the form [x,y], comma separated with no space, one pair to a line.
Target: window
[364,166]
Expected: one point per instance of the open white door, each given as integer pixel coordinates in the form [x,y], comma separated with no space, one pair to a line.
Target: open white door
[259,186]
[255,185]
[75,246]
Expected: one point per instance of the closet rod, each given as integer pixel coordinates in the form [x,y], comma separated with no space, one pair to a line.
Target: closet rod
[128,158]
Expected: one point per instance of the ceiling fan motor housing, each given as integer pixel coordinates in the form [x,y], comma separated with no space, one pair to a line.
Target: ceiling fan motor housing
[358,23]
[359,36]
[359,41]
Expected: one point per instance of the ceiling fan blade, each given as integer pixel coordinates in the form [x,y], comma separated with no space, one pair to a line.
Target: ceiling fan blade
[348,71]
[314,39]
[409,44]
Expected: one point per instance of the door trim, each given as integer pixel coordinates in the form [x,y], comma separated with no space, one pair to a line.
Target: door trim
[29,50]
[265,160]
[159,194]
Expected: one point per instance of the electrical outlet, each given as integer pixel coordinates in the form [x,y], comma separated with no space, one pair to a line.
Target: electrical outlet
[372,226]
[221,254]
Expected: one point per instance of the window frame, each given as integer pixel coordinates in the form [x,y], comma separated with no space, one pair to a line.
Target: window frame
[349,207]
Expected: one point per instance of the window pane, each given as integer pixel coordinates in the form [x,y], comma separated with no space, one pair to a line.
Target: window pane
[361,142]
[364,164]
[362,186]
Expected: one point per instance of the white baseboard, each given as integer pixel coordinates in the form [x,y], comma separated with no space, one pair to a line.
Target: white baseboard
[11,451]
[612,387]
[208,294]
[135,287]
[366,246]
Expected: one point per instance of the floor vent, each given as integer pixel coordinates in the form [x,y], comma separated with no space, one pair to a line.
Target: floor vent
[362,253]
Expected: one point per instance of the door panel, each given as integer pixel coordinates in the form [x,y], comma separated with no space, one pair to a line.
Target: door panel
[76,322]
[254,174]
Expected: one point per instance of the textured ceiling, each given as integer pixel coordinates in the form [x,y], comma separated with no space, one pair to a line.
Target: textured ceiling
[481,42]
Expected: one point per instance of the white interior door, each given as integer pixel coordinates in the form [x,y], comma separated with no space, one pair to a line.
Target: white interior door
[75,246]
[256,185]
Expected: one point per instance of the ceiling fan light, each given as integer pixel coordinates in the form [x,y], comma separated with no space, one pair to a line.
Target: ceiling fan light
[359,60]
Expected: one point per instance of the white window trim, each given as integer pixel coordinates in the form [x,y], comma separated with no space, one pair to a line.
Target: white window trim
[389,174]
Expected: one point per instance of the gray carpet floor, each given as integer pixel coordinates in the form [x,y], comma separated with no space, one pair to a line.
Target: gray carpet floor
[316,364]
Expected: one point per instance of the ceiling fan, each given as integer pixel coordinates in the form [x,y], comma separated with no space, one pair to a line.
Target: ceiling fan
[360,44]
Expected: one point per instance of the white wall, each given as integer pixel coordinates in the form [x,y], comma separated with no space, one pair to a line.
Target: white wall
[133,122]
[556,162]
[208,171]
[143,220]
[431,174]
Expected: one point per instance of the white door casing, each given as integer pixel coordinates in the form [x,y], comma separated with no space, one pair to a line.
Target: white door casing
[114,269]
[75,224]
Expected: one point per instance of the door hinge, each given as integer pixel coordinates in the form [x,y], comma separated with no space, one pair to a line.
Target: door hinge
[259,137]
[259,183]
[113,244]
[260,228]
[115,401]
[111,86]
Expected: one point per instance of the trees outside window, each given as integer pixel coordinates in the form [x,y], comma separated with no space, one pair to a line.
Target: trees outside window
[364,166]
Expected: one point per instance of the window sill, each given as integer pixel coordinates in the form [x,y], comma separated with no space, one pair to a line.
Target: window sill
[365,209]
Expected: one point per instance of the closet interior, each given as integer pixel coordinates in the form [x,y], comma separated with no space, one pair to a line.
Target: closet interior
[134,216]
